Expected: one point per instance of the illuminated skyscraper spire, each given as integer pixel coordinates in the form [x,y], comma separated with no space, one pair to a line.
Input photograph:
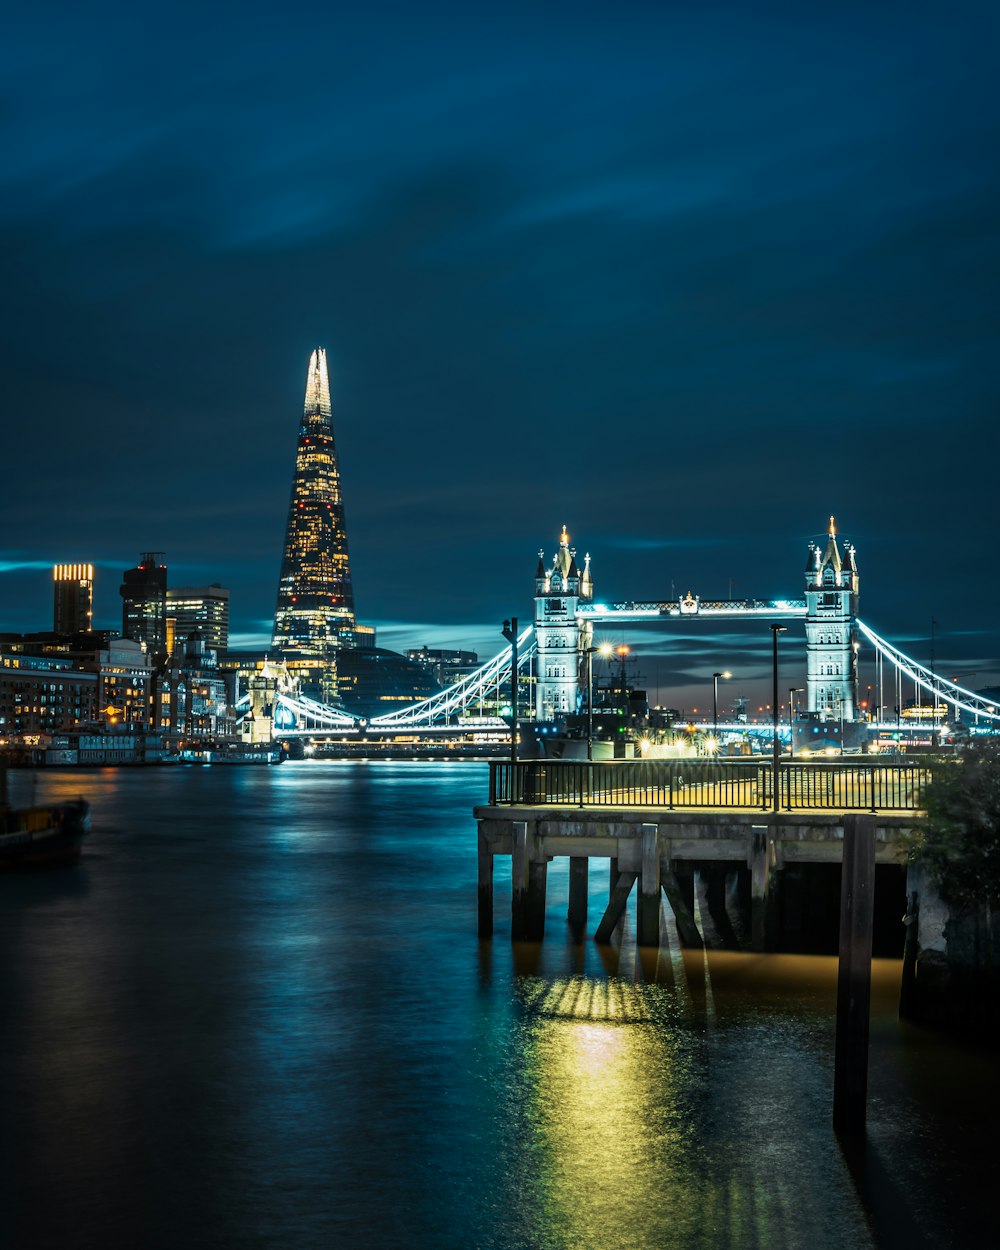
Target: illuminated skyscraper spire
[315,609]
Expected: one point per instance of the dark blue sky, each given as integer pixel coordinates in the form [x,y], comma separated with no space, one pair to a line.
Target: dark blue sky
[686,277]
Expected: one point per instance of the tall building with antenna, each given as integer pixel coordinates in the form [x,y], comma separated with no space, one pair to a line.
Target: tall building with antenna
[144,604]
[314,616]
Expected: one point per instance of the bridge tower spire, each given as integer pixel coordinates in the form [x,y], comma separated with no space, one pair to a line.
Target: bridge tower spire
[560,639]
[832,629]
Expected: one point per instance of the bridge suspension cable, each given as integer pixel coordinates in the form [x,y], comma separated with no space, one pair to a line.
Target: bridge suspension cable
[942,689]
[457,698]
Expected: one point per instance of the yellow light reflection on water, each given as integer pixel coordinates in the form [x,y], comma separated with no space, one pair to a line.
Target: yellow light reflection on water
[653,1124]
[615,1143]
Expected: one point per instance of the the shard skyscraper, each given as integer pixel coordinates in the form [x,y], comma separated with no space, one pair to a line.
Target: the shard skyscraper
[314,615]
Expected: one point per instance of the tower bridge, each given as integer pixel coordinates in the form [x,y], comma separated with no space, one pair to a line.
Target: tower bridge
[556,647]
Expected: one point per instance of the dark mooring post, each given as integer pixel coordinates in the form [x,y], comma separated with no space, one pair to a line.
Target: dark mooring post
[854,981]
[485,888]
[908,983]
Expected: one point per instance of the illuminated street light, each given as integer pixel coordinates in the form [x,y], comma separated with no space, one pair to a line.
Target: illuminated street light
[775,631]
[792,692]
[605,650]
[715,702]
[509,631]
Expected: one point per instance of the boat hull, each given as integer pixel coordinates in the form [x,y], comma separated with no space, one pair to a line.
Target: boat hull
[37,836]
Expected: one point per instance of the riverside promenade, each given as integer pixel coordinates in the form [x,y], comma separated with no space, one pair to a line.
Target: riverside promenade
[651,819]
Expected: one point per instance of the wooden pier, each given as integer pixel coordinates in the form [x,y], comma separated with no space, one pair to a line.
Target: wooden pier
[645,824]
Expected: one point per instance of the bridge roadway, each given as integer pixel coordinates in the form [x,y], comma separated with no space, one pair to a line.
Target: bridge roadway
[648,827]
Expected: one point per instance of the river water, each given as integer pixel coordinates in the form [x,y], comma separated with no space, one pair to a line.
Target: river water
[258,1015]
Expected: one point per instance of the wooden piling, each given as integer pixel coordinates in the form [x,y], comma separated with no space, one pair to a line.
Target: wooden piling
[616,906]
[687,930]
[763,889]
[648,902]
[537,876]
[519,880]
[579,866]
[850,1082]
[485,887]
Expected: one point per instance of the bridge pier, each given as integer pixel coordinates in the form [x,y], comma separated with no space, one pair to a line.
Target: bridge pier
[616,907]
[529,871]
[579,874]
[647,911]
[763,864]
[739,854]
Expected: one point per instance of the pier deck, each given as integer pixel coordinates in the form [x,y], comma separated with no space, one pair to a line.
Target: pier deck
[650,823]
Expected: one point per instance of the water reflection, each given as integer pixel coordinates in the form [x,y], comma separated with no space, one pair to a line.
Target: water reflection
[258,1015]
[646,1132]
[615,1144]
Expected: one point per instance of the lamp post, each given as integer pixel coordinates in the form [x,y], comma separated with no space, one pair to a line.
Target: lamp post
[792,692]
[715,703]
[603,649]
[775,747]
[509,631]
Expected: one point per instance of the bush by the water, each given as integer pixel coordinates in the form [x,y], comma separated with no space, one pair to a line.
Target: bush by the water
[959,842]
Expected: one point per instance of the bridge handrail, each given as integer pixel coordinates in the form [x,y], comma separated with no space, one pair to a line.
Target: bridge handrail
[741,784]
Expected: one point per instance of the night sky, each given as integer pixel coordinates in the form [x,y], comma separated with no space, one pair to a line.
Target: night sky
[686,277]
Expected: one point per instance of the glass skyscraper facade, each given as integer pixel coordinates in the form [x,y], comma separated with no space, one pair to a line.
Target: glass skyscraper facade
[201,608]
[314,616]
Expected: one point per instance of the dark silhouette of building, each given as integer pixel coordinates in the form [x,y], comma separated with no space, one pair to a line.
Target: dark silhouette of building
[314,616]
[73,598]
[374,682]
[144,604]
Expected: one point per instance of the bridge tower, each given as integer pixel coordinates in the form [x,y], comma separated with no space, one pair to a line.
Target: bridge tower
[561,640]
[832,629]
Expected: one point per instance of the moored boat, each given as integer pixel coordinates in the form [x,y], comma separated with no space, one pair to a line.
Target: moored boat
[232,754]
[30,836]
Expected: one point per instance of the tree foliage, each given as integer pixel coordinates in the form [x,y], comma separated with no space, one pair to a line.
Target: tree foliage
[959,842]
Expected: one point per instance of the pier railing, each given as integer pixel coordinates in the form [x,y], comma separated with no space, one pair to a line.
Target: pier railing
[858,785]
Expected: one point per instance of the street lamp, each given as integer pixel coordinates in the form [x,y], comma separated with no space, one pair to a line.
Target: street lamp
[623,653]
[775,751]
[509,631]
[792,692]
[715,702]
[603,649]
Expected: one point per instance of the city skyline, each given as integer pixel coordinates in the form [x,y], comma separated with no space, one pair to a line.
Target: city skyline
[686,286]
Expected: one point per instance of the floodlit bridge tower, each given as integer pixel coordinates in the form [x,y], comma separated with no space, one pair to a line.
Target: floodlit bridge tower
[562,640]
[832,629]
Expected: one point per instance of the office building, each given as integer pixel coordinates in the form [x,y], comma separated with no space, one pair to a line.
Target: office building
[144,604]
[73,598]
[204,609]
